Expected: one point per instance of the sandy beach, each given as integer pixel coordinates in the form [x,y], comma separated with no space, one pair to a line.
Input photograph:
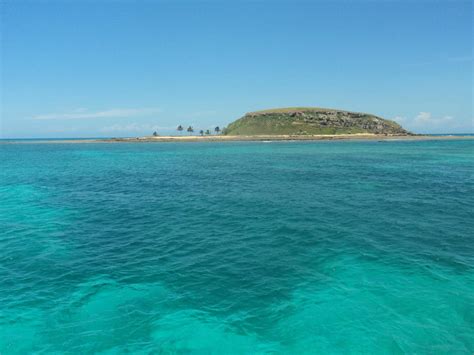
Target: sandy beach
[226,138]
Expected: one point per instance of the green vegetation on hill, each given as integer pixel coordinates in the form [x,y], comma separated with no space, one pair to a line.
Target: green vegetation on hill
[291,109]
[311,121]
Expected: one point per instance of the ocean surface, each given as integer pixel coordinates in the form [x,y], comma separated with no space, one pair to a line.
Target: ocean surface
[237,247]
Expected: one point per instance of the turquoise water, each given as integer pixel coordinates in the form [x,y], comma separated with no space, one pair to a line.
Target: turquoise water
[285,247]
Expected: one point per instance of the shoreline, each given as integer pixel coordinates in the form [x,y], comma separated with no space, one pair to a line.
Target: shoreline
[262,138]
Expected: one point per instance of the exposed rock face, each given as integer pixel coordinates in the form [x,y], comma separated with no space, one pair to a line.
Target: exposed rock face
[305,121]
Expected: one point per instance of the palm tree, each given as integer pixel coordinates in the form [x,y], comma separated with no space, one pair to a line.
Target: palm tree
[180,129]
[190,130]
[208,132]
[217,130]
[201,132]
[155,134]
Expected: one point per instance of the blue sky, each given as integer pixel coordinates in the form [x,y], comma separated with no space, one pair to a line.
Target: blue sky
[123,68]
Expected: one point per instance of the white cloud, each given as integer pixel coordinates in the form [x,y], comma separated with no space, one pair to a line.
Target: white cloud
[61,130]
[111,113]
[466,58]
[134,127]
[440,60]
[199,114]
[399,119]
[424,118]
[426,122]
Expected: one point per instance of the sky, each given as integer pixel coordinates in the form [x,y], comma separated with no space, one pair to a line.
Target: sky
[128,68]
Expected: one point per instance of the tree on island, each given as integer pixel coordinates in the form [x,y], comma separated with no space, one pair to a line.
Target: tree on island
[208,132]
[201,132]
[155,134]
[217,130]
[180,128]
[190,130]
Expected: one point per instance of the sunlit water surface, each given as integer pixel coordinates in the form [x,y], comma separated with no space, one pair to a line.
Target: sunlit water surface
[285,247]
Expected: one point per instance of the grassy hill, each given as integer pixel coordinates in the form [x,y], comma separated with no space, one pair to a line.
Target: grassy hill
[310,121]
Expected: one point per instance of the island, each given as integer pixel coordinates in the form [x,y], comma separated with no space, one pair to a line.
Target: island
[304,121]
[284,124]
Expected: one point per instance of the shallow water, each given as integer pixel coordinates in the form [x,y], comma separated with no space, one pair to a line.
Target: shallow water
[285,247]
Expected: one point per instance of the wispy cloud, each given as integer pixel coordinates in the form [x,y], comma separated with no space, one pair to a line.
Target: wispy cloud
[133,127]
[399,119]
[426,121]
[453,60]
[424,118]
[466,58]
[110,113]
[199,114]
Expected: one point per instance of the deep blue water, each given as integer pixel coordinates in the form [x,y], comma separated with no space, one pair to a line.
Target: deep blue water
[285,247]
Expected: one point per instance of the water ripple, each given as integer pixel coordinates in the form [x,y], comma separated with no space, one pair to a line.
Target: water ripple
[237,248]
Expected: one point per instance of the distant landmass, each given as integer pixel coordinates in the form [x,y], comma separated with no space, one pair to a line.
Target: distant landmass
[311,121]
